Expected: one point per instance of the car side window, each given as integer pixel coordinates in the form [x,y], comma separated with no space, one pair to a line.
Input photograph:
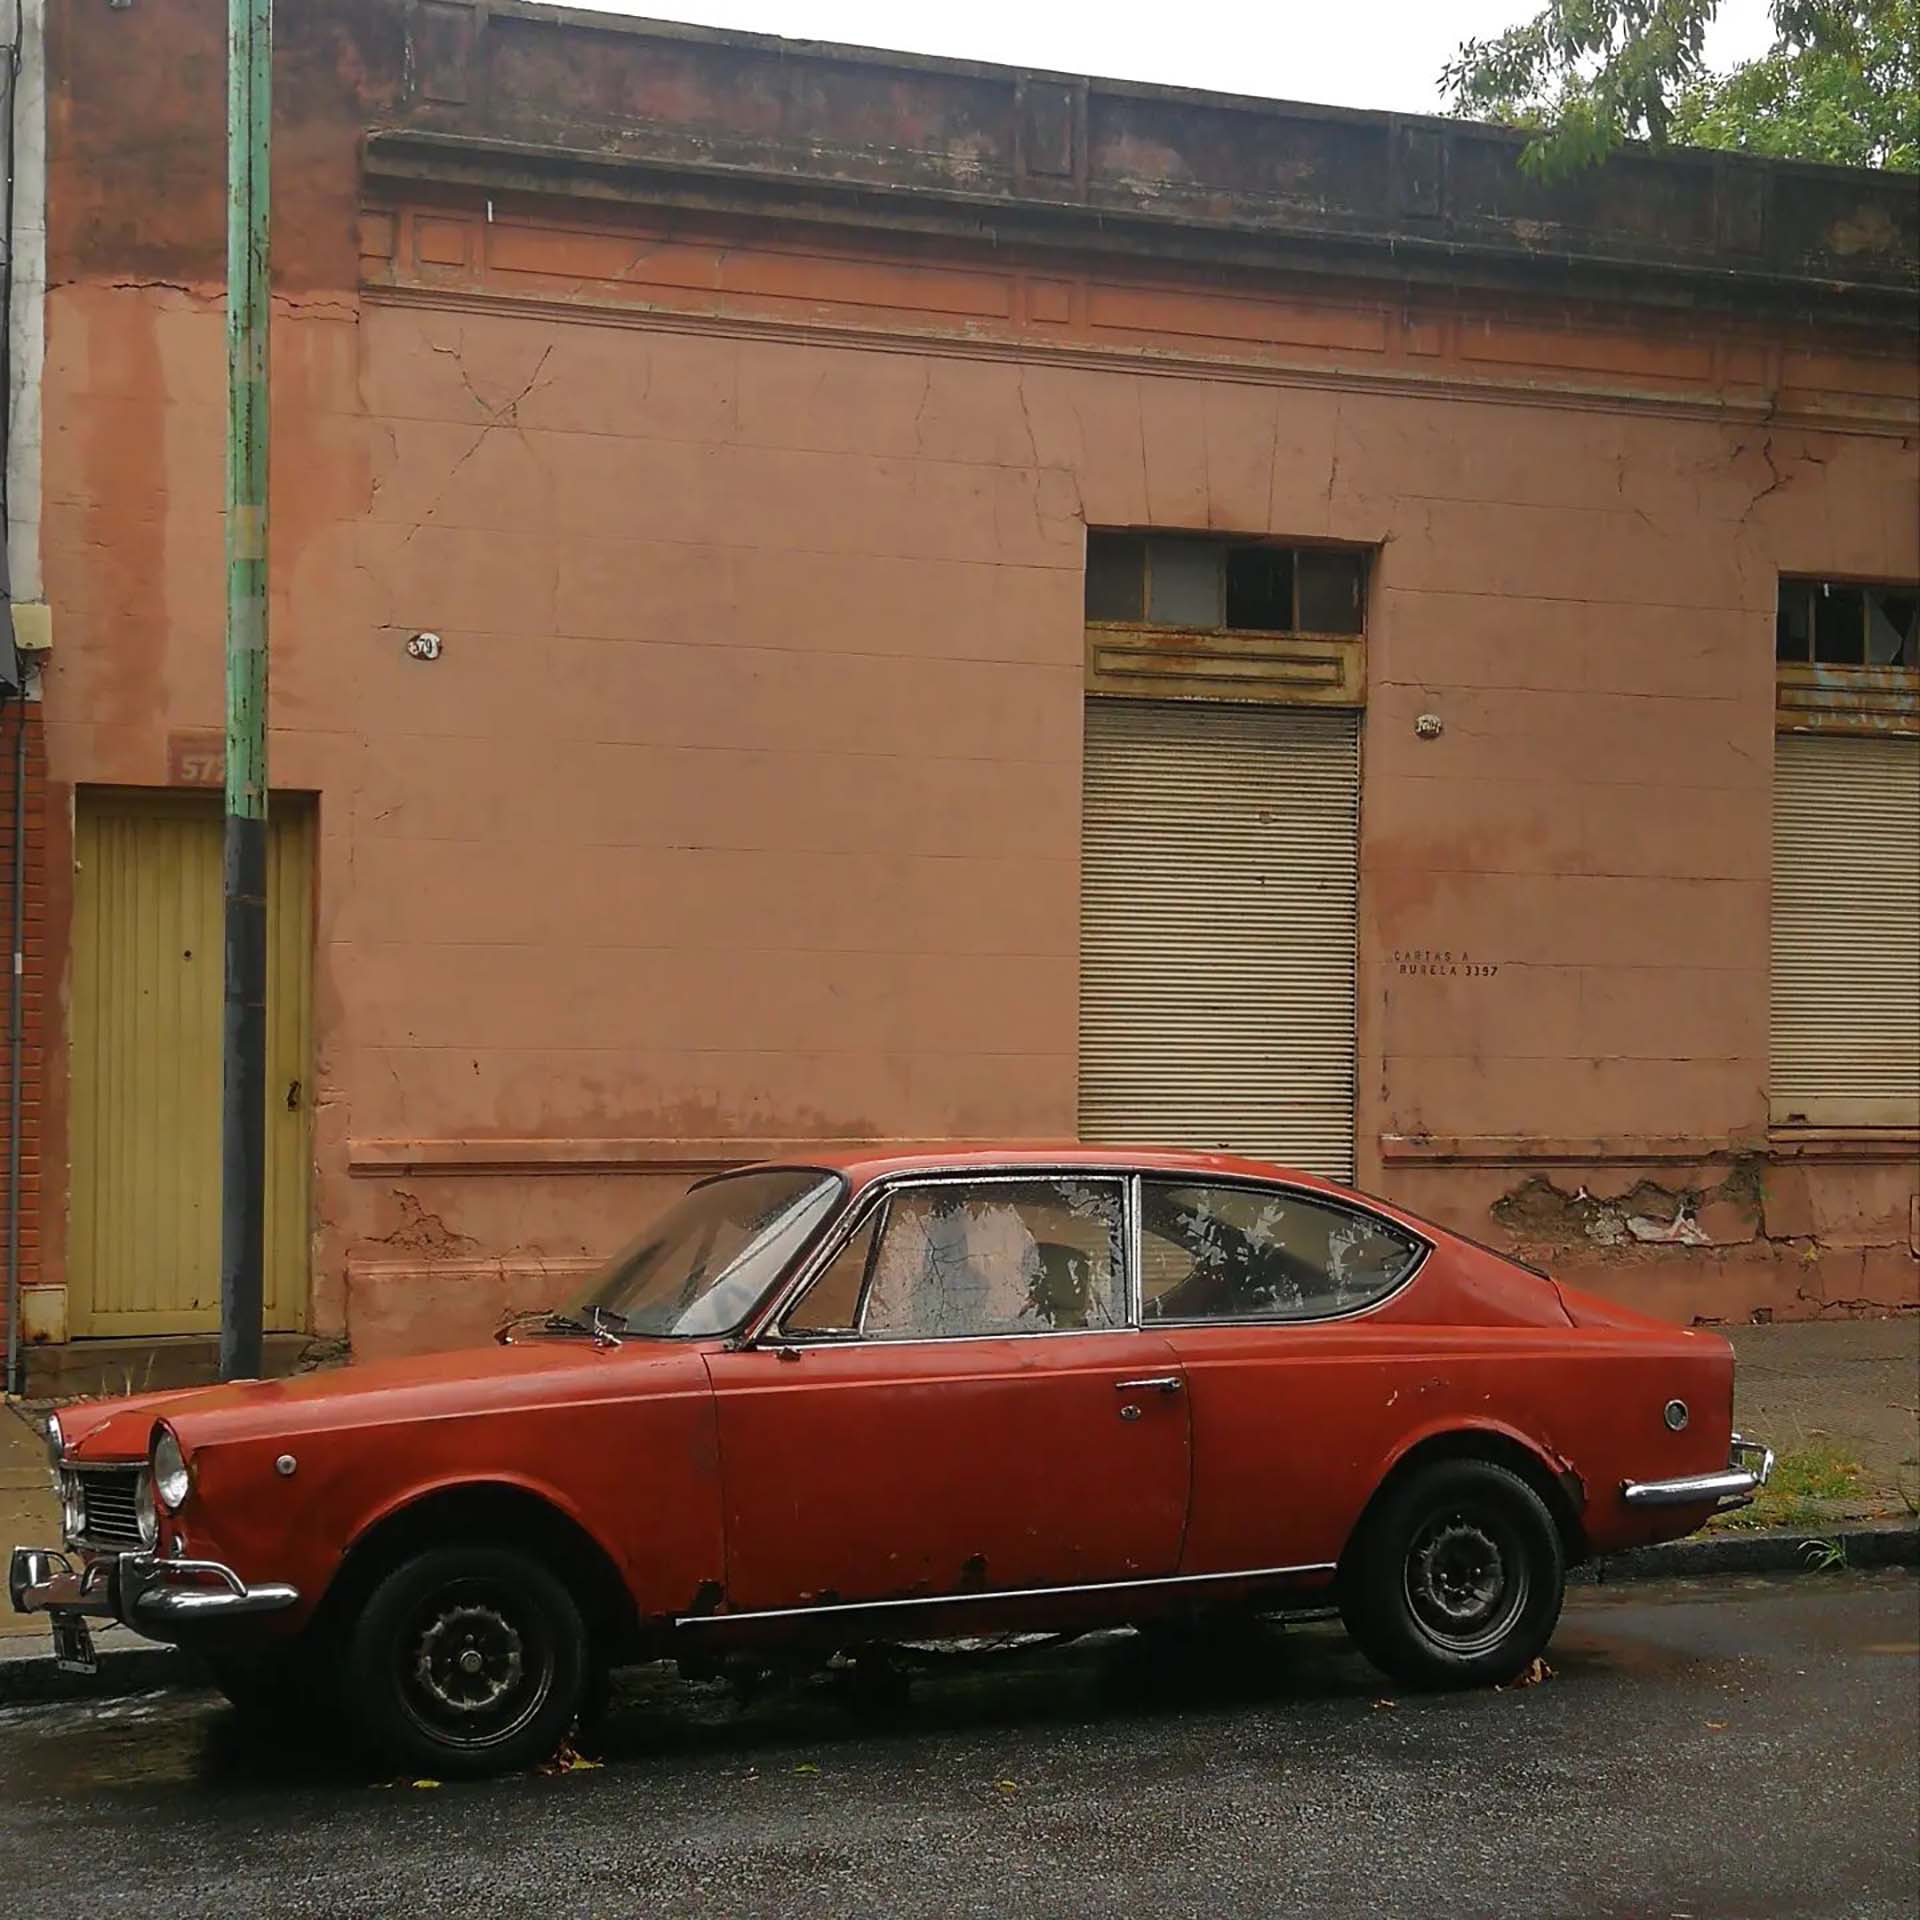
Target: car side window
[830,1308]
[1257,1253]
[963,1259]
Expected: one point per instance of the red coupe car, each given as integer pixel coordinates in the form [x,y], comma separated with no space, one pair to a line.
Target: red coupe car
[897,1397]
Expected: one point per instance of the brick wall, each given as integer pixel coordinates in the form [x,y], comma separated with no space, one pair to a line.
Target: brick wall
[33,981]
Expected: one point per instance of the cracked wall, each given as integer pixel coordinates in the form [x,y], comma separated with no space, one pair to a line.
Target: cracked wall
[742,805]
[1805,1241]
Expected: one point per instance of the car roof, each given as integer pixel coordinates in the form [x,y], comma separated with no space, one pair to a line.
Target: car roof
[864,1164]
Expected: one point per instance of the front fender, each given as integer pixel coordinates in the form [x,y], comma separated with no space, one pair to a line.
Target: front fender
[638,1479]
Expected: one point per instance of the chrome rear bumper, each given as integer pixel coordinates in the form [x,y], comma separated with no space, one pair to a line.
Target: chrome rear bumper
[138,1588]
[1734,1485]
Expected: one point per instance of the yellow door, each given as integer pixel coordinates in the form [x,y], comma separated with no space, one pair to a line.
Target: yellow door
[148,959]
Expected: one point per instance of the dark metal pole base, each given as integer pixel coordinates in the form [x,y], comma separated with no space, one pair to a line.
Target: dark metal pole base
[243,1143]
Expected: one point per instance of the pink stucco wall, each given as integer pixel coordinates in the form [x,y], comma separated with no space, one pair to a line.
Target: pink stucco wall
[742,807]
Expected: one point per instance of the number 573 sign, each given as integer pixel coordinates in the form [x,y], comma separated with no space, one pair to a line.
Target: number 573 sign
[196,759]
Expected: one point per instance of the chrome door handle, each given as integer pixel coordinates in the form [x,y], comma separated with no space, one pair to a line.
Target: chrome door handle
[1154,1383]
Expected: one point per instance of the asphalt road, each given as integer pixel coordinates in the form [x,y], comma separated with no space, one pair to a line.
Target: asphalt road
[1722,1752]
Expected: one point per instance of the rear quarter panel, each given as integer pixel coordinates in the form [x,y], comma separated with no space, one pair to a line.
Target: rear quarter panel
[1296,1427]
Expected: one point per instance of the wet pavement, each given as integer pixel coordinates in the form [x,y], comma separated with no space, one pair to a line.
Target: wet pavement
[1730,1751]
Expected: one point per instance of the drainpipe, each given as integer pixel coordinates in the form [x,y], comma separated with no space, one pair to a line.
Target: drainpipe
[17,979]
[14,997]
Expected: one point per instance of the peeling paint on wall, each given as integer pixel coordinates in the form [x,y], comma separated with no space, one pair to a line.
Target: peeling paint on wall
[1540,1214]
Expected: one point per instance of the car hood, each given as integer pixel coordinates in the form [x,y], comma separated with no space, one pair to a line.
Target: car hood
[489,1379]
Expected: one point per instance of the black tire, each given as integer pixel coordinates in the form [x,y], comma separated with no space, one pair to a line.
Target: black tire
[1456,1577]
[467,1661]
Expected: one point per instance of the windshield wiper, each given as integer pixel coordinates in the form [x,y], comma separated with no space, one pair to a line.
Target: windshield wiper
[602,1325]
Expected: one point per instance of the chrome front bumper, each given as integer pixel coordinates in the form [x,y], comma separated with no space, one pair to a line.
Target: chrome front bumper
[1734,1485]
[139,1589]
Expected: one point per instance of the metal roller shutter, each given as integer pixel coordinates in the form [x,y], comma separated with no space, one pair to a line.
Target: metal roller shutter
[1219,889]
[1845,1016]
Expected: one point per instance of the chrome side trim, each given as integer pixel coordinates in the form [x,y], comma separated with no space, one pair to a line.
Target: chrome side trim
[761,1328]
[1136,1271]
[1423,1250]
[1006,1593]
[871,1343]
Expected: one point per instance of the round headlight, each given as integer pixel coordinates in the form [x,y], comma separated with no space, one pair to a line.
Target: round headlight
[145,1513]
[170,1478]
[56,1442]
[73,1509]
[1674,1413]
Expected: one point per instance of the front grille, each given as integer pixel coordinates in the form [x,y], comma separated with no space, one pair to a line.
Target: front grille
[107,1497]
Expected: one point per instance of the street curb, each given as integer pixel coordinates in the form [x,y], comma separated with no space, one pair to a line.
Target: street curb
[31,1679]
[1786,1551]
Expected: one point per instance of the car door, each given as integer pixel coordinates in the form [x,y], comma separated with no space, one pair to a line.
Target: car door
[1262,1292]
[958,1403]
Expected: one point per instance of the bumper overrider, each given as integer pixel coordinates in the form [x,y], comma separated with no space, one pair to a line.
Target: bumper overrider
[141,1590]
[1748,1466]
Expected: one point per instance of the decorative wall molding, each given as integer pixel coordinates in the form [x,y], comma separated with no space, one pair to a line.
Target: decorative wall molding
[375,1159]
[1881,1146]
[1413,382]
[1514,1150]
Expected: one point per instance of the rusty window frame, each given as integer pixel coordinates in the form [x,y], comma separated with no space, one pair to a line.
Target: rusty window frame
[1122,1290]
[1857,695]
[1803,595]
[1420,1248]
[816,1236]
[1146,539]
[771,1326]
[767,1328]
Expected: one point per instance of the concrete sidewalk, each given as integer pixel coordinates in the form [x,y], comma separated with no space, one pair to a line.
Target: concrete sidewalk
[1839,1403]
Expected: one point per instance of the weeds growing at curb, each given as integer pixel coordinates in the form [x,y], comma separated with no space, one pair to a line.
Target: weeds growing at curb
[1809,1481]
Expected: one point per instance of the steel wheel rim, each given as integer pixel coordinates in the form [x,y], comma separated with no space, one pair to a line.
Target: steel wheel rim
[475,1664]
[1466,1578]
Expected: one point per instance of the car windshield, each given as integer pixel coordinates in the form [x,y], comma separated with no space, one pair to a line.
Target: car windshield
[704,1264]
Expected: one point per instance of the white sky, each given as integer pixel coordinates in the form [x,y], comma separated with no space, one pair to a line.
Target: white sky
[1350,53]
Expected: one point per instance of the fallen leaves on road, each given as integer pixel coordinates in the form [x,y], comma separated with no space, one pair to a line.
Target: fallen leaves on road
[1392,1705]
[1537,1672]
[1716,1726]
[1008,1786]
[567,1758]
[806,1767]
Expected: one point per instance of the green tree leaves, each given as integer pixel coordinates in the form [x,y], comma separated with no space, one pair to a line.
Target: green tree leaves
[1841,84]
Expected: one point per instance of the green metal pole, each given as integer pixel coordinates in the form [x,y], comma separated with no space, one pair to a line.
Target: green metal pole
[244,1077]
